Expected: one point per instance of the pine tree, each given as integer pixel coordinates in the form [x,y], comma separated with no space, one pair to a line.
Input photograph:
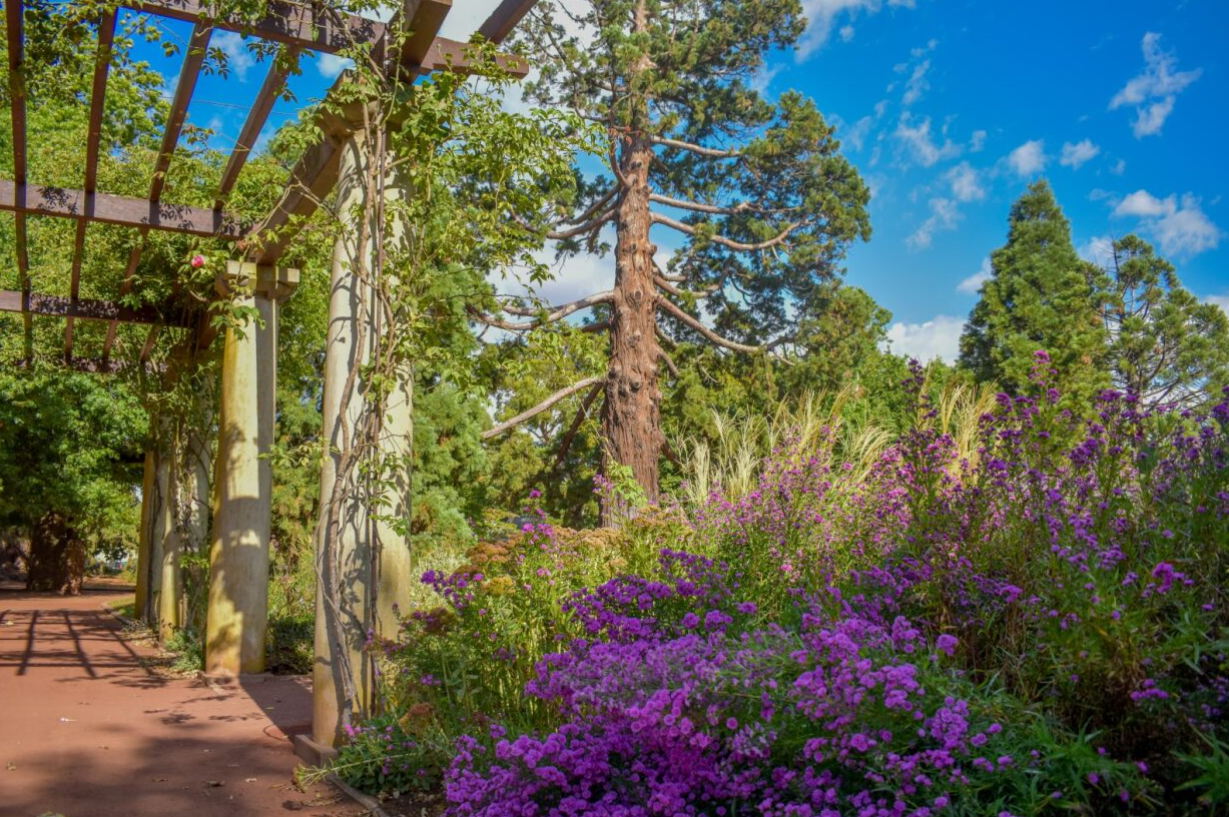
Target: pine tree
[1165,346]
[1040,297]
[758,192]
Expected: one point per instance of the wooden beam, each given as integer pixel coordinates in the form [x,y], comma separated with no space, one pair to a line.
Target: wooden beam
[293,24]
[418,21]
[124,211]
[102,63]
[275,81]
[449,55]
[56,306]
[15,24]
[198,46]
[504,18]
[310,181]
[150,339]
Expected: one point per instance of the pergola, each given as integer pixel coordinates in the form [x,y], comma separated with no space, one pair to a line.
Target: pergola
[241,502]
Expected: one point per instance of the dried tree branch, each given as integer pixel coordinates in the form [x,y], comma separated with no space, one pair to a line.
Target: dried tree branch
[674,310]
[714,153]
[546,404]
[658,218]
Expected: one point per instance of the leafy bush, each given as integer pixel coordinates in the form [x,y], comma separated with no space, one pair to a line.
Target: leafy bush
[1034,624]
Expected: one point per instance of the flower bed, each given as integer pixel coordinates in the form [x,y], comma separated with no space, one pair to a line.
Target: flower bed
[1041,630]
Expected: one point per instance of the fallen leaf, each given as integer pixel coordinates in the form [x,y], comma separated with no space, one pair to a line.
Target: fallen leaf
[249,780]
[159,779]
[68,720]
[214,784]
[12,767]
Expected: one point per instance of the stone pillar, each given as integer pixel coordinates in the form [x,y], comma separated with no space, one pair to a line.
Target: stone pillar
[143,569]
[237,615]
[170,585]
[368,561]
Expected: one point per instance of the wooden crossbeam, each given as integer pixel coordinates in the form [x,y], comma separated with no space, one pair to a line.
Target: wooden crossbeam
[298,25]
[275,81]
[55,306]
[106,35]
[124,211]
[504,18]
[15,24]
[198,46]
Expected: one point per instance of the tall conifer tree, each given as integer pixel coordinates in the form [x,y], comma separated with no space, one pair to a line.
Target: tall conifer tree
[1040,296]
[1166,346]
[757,192]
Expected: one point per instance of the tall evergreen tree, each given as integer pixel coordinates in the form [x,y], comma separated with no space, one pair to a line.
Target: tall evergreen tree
[1165,346]
[1040,297]
[758,193]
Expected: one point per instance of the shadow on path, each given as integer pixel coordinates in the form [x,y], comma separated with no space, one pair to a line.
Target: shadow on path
[91,730]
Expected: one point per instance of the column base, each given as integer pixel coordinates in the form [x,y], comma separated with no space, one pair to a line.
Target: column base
[313,753]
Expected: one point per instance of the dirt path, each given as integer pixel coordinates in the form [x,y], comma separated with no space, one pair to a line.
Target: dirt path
[86,730]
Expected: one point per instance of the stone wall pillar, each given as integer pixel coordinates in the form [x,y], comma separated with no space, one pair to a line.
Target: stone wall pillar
[237,616]
[362,555]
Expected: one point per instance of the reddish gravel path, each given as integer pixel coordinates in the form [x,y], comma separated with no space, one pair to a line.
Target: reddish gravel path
[87,731]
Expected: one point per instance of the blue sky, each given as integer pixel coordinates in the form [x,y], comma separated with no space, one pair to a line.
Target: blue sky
[949,109]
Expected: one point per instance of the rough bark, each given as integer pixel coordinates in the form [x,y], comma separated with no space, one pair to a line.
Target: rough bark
[57,557]
[631,414]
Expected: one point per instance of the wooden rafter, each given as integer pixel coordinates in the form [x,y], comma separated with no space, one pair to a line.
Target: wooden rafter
[504,18]
[198,46]
[124,211]
[55,306]
[275,81]
[294,24]
[106,35]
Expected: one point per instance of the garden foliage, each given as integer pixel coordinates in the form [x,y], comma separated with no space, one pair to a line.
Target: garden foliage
[1038,628]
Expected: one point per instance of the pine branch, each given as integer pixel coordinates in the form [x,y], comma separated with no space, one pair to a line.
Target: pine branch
[686,204]
[574,428]
[674,310]
[666,286]
[562,311]
[546,404]
[730,243]
[713,153]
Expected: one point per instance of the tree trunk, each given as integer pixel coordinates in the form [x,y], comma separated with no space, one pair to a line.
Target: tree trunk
[631,416]
[57,557]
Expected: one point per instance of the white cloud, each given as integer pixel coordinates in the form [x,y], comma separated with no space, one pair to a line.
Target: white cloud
[238,58]
[972,284]
[937,338]
[966,183]
[918,139]
[853,135]
[1143,204]
[822,15]
[1219,300]
[1077,154]
[1119,167]
[1098,249]
[1154,92]
[944,215]
[1179,225]
[847,33]
[917,84]
[978,141]
[330,66]
[1029,158]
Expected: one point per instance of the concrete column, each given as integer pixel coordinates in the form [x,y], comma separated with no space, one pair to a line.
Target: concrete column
[369,561]
[144,569]
[156,525]
[237,615]
[170,593]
